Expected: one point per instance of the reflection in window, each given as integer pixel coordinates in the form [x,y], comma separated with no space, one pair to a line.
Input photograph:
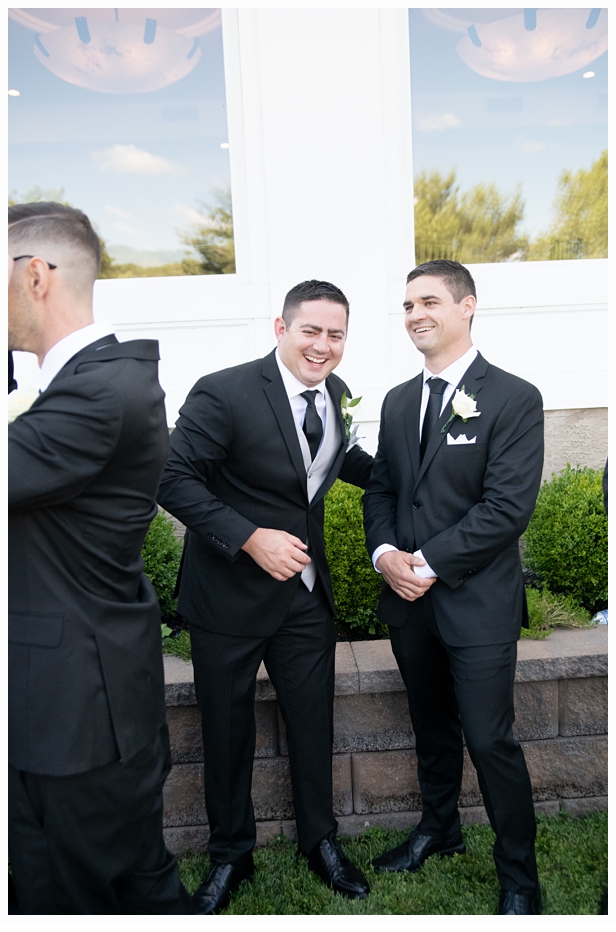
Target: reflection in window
[509,133]
[121,112]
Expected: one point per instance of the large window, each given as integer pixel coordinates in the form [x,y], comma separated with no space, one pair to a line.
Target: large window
[509,133]
[121,112]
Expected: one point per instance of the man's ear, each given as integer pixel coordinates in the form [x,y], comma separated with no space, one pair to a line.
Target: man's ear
[38,277]
[468,306]
[280,328]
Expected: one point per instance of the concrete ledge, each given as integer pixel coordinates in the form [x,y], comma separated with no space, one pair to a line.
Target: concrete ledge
[370,666]
[561,721]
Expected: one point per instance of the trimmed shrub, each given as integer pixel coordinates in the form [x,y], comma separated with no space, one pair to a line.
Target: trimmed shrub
[547,611]
[161,554]
[566,540]
[355,583]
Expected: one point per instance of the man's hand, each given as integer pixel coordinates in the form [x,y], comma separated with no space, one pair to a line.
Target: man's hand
[397,569]
[280,554]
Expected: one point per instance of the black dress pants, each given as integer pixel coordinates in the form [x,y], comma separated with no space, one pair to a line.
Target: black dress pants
[92,843]
[455,690]
[299,658]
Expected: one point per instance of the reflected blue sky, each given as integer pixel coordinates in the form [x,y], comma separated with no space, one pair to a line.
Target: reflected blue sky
[507,132]
[136,163]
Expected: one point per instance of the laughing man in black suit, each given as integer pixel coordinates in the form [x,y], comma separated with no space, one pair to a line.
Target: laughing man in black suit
[255,449]
[88,743]
[453,487]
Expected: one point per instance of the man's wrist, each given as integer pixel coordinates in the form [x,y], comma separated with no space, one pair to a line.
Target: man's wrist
[384,548]
[426,572]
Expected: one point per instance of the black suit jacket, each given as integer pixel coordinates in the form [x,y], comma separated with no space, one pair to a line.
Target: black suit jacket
[464,506]
[235,465]
[85,665]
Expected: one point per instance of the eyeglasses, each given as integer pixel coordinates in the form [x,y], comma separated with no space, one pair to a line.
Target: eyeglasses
[50,264]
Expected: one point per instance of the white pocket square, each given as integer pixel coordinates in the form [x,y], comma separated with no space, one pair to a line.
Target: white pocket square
[456,441]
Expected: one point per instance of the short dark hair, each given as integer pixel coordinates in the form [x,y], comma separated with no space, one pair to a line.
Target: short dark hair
[56,223]
[457,277]
[312,291]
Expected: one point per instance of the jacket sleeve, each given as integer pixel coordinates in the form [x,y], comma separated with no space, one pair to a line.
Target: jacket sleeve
[380,499]
[58,446]
[356,467]
[200,444]
[510,487]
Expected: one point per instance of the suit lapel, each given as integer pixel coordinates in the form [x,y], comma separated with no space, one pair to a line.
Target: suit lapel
[471,380]
[412,406]
[279,400]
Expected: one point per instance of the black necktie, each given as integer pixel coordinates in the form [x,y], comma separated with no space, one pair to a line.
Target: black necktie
[433,411]
[313,425]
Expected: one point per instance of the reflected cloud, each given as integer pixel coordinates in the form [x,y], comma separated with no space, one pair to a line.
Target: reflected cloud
[129,159]
[127,229]
[118,212]
[529,145]
[184,214]
[436,122]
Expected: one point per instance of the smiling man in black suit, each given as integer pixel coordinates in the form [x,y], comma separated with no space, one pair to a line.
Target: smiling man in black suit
[88,743]
[453,487]
[254,452]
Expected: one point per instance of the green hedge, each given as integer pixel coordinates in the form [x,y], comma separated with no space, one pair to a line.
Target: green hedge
[566,540]
[161,555]
[356,585]
[565,546]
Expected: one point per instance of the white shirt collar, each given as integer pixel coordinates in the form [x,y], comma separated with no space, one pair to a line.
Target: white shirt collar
[65,349]
[454,372]
[292,384]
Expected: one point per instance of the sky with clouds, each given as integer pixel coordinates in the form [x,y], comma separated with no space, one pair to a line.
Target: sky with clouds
[138,164]
[506,130]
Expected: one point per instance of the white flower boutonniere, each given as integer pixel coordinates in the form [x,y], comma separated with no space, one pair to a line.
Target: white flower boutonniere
[347,417]
[463,406]
[19,401]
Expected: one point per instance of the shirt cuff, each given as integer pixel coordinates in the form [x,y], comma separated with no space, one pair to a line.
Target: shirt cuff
[384,548]
[426,572]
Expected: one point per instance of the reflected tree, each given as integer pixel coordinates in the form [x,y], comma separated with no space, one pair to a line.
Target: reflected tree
[212,238]
[479,225]
[579,227]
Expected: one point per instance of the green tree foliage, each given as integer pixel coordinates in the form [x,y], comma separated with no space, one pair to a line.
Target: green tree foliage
[479,225]
[212,238]
[356,585]
[580,216]
[161,554]
[566,540]
[36,194]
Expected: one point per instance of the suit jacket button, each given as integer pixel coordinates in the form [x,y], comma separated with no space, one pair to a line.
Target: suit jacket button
[416,504]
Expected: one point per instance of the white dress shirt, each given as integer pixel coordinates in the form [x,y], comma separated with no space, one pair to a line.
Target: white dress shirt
[65,349]
[294,389]
[452,375]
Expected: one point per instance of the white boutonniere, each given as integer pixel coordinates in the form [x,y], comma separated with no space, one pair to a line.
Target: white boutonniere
[347,417]
[463,406]
[19,401]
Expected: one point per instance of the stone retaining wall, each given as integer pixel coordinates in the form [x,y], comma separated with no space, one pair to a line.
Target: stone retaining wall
[561,720]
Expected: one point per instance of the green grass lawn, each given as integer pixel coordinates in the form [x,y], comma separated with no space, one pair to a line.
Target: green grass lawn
[571,855]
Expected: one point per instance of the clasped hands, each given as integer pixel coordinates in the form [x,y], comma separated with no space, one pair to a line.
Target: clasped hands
[280,554]
[396,567]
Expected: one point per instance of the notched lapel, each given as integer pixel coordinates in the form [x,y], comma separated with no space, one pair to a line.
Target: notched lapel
[278,399]
[412,405]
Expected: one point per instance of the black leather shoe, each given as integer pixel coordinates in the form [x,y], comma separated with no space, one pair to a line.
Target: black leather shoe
[519,904]
[327,860]
[215,891]
[410,855]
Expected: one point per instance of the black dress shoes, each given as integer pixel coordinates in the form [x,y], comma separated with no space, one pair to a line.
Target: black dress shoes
[410,855]
[518,904]
[327,860]
[215,891]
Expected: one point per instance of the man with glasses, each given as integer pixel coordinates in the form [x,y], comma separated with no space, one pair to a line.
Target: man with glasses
[88,743]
